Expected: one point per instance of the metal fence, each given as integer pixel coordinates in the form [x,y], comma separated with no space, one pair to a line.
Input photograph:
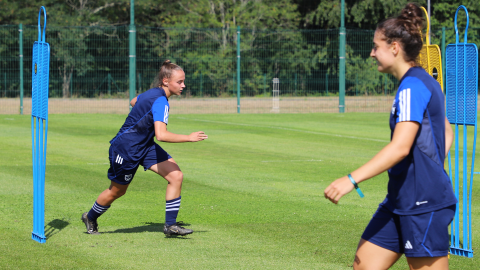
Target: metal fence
[89,70]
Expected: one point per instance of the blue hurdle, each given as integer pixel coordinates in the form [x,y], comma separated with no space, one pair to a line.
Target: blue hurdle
[40,76]
[461,93]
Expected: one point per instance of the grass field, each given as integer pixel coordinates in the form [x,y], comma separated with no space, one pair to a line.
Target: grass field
[253,194]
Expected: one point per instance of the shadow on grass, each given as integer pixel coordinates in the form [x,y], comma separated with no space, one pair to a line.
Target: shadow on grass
[152,227]
[149,227]
[54,227]
[459,241]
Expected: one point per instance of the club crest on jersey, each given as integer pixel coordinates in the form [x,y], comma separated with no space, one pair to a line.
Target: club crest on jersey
[128,177]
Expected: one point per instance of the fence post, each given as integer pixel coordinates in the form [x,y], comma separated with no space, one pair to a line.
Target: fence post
[140,82]
[326,82]
[201,85]
[341,78]
[443,60]
[109,82]
[238,69]
[356,84]
[264,84]
[295,84]
[385,83]
[132,51]
[20,41]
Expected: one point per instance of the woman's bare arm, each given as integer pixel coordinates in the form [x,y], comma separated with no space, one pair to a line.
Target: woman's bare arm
[163,135]
[133,101]
[448,136]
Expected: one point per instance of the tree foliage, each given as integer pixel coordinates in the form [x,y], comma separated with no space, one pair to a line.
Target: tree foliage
[259,14]
[287,39]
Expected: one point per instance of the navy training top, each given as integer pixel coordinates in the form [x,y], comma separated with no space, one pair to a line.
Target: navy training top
[137,133]
[419,183]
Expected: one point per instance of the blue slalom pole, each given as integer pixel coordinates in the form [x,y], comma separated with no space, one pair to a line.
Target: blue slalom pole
[40,78]
[461,90]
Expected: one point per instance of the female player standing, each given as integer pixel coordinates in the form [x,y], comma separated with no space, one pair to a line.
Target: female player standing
[420,204]
[134,145]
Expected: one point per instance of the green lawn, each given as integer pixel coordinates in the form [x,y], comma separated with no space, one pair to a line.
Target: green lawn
[253,194]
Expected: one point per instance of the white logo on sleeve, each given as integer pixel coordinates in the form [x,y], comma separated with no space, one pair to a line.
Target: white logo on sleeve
[165,115]
[424,202]
[408,245]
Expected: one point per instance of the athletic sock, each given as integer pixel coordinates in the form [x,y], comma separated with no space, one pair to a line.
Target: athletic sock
[96,211]
[171,211]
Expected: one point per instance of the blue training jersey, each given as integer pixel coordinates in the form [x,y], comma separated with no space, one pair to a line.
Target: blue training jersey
[419,183]
[138,131]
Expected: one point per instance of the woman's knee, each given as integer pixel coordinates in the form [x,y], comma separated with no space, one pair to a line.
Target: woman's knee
[117,193]
[175,177]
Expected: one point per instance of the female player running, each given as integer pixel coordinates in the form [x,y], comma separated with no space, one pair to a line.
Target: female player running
[134,145]
[420,204]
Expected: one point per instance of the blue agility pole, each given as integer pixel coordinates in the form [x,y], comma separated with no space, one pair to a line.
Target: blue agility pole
[40,75]
[461,90]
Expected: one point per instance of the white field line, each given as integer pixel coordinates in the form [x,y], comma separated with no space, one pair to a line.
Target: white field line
[308,160]
[289,129]
[91,164]
[106,163]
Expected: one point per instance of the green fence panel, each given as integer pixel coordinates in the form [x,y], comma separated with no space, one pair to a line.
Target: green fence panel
[91,65]
[9,62]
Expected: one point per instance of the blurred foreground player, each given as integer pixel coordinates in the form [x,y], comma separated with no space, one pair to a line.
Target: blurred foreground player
[420,204]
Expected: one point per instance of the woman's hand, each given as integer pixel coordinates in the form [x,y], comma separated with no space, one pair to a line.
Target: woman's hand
[338,188]
[197,136]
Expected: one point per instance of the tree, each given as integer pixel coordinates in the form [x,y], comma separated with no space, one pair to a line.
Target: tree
[216,42]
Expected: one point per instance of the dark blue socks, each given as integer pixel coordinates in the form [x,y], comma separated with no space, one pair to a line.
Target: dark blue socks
[96,211]
[171,211]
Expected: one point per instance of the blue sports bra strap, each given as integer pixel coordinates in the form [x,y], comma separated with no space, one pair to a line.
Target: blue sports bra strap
[456,28]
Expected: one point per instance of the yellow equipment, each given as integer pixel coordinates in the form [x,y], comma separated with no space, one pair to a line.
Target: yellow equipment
[430,58]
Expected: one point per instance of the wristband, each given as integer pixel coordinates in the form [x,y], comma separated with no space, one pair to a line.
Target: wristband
[356,186]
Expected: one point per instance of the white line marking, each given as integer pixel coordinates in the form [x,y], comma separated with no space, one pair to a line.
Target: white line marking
[309,160]
[98,163]
[289,129]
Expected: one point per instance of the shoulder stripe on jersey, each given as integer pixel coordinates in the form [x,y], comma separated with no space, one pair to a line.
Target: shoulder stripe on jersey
[165,115]
[404,100]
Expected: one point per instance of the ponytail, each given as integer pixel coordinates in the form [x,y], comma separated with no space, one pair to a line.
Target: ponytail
[406,29]
[166,71]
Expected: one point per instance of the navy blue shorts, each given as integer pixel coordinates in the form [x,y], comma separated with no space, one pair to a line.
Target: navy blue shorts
[122,170]
[422,235]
